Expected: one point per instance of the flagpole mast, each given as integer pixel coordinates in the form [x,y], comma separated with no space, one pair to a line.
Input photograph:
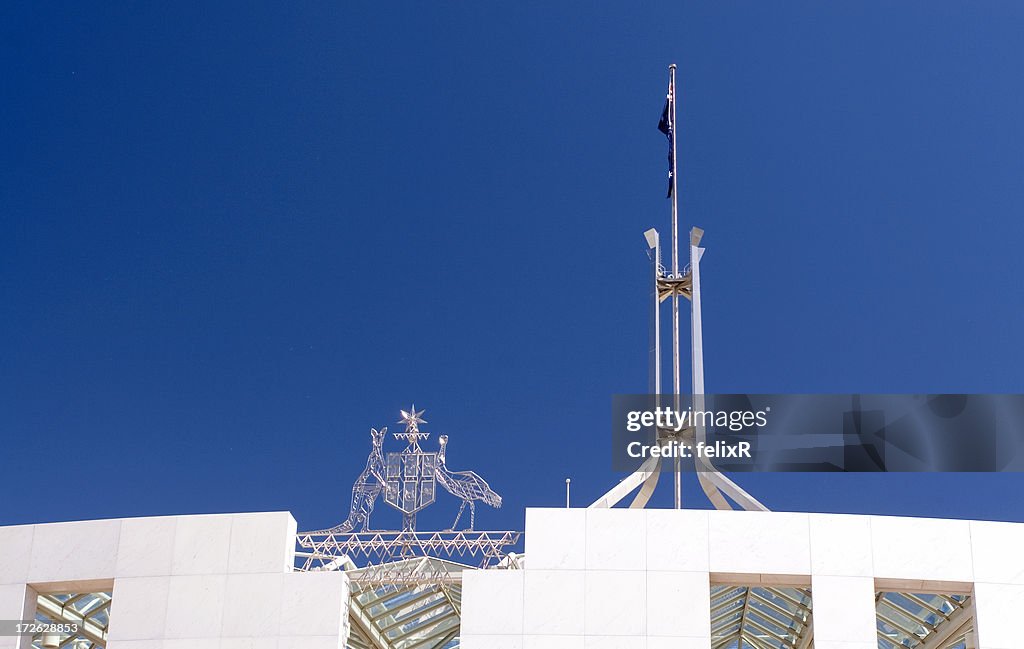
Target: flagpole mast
[676,387]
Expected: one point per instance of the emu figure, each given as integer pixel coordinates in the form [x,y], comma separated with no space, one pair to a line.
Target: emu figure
[465,485]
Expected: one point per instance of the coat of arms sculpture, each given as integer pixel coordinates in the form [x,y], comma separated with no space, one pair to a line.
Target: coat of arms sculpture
[409,480]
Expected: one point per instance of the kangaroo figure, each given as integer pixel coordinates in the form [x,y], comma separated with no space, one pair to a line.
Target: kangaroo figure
[466,485]
[367,487]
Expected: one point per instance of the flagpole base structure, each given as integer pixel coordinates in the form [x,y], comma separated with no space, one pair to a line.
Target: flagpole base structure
[717,487]
[647,471]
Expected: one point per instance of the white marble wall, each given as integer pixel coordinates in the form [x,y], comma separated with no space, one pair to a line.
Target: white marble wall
[640,579]
[197,582]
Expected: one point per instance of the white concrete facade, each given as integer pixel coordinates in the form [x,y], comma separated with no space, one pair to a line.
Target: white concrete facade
[202,582]
[641,579]
[594,579]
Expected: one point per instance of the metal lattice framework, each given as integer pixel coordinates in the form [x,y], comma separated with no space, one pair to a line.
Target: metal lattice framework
[923,621]
[90,611]
[760,617]
[406,606]
[326,550]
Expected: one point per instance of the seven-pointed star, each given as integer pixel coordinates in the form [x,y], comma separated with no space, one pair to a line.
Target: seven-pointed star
[412,419]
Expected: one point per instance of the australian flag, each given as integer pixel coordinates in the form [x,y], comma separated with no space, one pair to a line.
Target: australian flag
[666,126]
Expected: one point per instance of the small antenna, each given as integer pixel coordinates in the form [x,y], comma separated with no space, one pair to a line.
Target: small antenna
[567,493]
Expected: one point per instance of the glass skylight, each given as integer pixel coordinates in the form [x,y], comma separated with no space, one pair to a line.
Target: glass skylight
[760,617]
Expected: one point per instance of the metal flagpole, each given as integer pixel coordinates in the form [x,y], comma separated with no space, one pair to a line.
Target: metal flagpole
[716,486]
[676,386]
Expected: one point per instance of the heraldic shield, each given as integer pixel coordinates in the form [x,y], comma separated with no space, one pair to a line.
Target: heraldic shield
[410,482]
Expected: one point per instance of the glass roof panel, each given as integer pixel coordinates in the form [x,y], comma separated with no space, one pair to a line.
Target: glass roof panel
[758,616]
[909,620]
[409,604]
[89,611]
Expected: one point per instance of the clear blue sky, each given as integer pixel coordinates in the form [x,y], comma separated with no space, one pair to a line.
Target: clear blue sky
[234,238]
